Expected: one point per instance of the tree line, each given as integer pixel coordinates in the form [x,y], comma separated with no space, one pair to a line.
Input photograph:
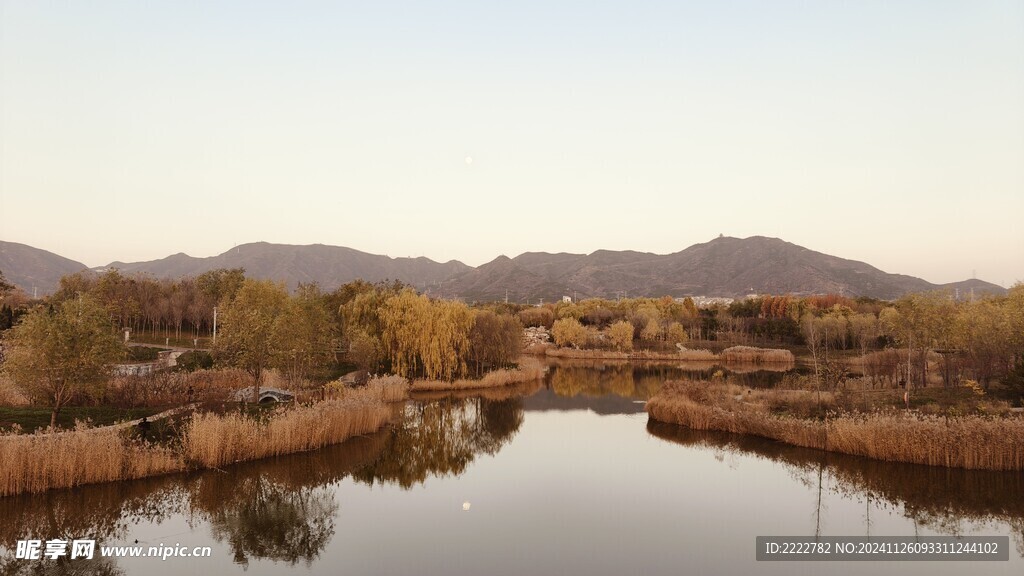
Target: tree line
[62,348]
[142,303]
[388,327]
[978,339]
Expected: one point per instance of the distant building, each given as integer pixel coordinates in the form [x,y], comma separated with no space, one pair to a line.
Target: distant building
[708,301]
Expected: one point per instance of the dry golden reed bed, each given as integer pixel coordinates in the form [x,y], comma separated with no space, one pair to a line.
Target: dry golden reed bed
[529,369]
[752,355]
[212,441]
[972,442]
[39,462]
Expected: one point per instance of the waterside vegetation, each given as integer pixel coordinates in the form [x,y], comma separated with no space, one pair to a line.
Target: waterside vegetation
[990,438]
[44,461]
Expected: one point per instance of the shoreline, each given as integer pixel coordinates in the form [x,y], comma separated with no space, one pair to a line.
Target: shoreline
[529,369]
[969,442]
[734,354]
[35,463]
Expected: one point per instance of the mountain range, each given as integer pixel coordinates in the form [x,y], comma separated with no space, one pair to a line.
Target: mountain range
[725,266]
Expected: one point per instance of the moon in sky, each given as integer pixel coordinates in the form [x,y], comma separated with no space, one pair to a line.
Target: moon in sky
[469,160]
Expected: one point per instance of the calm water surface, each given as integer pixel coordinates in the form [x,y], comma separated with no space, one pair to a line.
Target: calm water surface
[561,477]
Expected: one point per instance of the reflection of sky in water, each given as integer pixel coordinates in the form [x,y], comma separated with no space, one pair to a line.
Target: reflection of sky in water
[567,491]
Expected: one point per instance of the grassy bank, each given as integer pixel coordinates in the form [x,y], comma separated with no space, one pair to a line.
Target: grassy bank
[39,462]
[529,369]
[979,442]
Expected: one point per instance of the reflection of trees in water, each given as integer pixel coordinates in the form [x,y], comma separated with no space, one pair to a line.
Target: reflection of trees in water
[279,508]
[618,380]
[97,566]
[757,379]
[942,499]
[264,519]
[442,438]
[104,510]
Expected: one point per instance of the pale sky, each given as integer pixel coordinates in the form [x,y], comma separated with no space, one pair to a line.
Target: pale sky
[888,132]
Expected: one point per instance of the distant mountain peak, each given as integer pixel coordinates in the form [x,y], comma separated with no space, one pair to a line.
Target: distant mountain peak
[722,266]
[34,269]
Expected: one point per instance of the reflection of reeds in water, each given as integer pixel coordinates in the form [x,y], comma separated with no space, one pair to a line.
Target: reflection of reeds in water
[741,367]
[529,369]
[38,462]
[104,510]
[972,442]
[927,493]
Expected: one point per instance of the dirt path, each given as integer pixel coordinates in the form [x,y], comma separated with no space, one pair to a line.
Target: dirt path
[129,423]
[169,347]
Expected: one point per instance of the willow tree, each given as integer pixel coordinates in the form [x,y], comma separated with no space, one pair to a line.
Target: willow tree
[427,338]
[245,338]
[405,320]
[356,310]
[57,354]
[303,335]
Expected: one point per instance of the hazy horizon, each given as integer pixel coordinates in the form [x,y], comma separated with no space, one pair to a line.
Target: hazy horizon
[889,133]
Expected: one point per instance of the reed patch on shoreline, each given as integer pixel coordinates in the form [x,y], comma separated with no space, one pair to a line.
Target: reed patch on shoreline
[40,462]
[388,388]
[974,442]
[752,355]
[529,369]
[212,441]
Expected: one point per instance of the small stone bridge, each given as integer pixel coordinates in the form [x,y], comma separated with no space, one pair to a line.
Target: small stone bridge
[266,395]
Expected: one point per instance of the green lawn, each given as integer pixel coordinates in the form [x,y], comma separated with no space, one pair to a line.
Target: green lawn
[35,417]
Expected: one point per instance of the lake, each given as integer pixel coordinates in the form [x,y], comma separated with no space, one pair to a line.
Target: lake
[564,476]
